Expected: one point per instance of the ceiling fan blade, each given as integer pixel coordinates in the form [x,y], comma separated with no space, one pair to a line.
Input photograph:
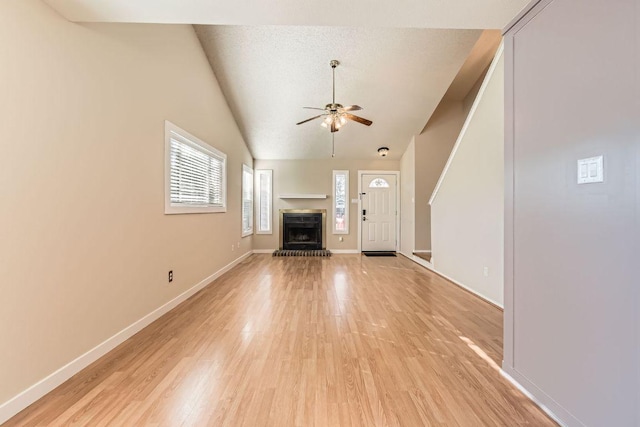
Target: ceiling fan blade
[358,119]
[308,120]
[352,108]
[313,108]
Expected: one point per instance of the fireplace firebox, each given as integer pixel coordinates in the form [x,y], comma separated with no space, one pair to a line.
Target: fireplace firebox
[302,229]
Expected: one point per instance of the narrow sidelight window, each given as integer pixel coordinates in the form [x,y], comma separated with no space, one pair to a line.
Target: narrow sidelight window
[247,200]
[264,201]
[341,202]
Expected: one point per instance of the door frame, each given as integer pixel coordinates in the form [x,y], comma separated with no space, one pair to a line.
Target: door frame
[378,172]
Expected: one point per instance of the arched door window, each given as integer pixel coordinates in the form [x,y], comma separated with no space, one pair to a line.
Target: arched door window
[379,183]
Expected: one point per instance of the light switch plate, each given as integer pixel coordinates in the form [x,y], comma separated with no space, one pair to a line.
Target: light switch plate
[354,201]
[591,170]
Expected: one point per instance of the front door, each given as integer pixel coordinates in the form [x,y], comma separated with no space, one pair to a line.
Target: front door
[379,212]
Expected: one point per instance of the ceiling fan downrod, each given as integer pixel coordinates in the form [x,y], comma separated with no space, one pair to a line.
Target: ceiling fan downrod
[334,63]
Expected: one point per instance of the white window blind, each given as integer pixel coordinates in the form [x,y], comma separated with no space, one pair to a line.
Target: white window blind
[247,200]
[341,202]
[195,174]
[264,201]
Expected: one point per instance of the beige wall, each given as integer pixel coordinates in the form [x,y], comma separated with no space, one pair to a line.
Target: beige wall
[467,211]
[315,176]
[468,100]
[433,147]
[407,199]
[84,244]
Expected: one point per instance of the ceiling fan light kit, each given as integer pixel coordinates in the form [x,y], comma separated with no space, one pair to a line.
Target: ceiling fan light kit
[335,115]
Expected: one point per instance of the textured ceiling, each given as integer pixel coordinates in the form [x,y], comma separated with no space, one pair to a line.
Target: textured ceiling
[461,14]
[269,73]
[272,58]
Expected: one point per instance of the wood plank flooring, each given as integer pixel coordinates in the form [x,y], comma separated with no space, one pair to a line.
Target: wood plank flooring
[341,341]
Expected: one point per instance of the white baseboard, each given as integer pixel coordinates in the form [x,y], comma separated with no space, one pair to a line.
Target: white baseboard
[431,267]
[541,405]
[473,291]
[418,251]
[19,402]
[263,251]
[423,262]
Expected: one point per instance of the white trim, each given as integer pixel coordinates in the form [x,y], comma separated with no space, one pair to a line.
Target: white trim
[432,267]
[531,397]
[421,252]
[467,121]
[335,199]
[421,261]
[249,231]
[508,324]
[196,143]
[257,201]
[398,206]
[519,16]
[25,398]
[302,196]
[263,251]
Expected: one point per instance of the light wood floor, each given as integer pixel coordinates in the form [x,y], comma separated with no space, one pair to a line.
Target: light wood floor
[341,341]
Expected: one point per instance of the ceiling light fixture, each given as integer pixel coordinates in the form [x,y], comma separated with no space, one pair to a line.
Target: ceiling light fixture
[383,151]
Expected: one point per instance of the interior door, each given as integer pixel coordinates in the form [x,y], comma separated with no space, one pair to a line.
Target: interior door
[379,212]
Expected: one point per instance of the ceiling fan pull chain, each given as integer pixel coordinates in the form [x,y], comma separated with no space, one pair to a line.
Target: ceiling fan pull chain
[333,145]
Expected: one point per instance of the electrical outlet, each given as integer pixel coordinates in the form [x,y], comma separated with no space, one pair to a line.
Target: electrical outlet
[170,276]
[486,272]
[341,239]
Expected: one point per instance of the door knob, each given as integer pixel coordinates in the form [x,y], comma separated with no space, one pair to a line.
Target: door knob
[364,218]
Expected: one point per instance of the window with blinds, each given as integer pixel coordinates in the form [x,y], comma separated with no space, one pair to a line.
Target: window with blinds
[247,200]
[264,201]
[195,174]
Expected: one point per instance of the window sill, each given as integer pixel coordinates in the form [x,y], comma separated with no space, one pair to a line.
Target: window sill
[178,210]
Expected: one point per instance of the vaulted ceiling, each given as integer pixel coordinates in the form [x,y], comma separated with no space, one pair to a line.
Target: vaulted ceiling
[272,58]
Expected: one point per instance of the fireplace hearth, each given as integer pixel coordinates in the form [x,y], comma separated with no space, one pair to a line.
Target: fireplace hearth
[302,229]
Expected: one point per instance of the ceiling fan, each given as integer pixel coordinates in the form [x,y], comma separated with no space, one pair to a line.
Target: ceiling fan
[336,115]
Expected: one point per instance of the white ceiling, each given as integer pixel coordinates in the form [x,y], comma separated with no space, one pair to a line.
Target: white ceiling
[269,73]
[272,58]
